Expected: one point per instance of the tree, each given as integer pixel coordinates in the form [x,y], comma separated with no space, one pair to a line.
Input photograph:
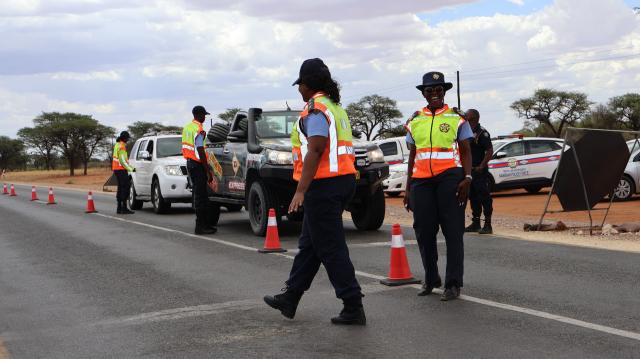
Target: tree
[229,114]
[12,154]
[139,128]
[397,131]
[554,110]
[601,117]
[92,136]
[627,110]
[39,140]
[374,115]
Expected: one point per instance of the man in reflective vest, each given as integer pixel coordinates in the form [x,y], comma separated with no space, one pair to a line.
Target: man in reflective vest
[193,144]
[121,168]
[324,168]
[439,175]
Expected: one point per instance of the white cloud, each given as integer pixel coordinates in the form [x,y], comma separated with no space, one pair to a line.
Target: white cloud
[88,76]
[517,2]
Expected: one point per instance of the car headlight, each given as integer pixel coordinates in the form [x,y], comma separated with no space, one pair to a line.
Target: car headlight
[279,157]
[398,174]
[173,170]
[375,155]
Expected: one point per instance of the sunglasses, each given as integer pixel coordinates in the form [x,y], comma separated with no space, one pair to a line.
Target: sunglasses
[437,89]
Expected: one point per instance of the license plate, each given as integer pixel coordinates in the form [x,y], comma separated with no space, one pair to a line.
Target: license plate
[361,162]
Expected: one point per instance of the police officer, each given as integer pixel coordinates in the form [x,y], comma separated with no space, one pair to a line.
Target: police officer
[480,194]
[324,168]
[193,143]
[438,180]
[121,168]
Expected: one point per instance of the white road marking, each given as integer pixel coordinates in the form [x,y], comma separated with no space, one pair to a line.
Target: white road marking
[490,303]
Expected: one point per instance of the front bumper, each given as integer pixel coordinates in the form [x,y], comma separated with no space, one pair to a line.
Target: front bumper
[395,184]
[174,188]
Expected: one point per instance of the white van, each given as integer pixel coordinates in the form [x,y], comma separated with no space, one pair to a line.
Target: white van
[394,149]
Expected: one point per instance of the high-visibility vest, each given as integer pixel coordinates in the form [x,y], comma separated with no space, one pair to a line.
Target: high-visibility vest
[119,148]
[435,136]
[189,133]
[338,157]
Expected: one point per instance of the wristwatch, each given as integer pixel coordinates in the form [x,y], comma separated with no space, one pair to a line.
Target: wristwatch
[470,177]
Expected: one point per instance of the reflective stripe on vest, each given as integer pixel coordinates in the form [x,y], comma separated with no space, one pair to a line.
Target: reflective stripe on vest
[115,163]
[338,157]
[189,134]
[435,137]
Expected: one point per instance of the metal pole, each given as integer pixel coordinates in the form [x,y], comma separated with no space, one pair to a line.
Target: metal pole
[584,187]
[458,88]
[553,184]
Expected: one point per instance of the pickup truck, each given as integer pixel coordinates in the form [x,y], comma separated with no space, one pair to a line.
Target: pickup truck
[252,164]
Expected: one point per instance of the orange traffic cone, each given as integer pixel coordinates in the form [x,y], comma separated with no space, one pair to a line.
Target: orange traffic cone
[399,272]
[4,189]
[51,199]
[34,194]
[272,241]
[13,191]
[91,208]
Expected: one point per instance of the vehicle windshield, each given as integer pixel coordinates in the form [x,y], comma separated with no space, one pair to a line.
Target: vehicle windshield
[276,124]
[169,146]
[497,144]
[631,146]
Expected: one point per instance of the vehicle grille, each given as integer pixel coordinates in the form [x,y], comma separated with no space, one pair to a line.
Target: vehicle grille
[183,169]
[361,158]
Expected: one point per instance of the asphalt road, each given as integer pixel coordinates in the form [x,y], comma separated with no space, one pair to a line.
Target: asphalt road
[76,285]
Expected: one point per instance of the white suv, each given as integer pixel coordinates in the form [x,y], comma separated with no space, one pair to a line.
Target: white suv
[161,172]
[630,181]
[524,162]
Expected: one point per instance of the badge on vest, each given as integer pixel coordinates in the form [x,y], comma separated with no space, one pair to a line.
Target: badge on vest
[445,127]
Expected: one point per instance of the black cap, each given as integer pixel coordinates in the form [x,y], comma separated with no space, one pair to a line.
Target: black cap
[311,67]
[199,110]
[434,78]
[124,134]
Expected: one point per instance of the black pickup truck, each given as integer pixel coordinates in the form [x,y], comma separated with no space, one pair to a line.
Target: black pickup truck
[252,164]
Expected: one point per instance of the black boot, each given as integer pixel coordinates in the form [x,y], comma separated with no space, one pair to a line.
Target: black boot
[352,313]
[487,227]
[124,209]
[205,229]
[202,226]
[474,226]
[286,302]
[119,210]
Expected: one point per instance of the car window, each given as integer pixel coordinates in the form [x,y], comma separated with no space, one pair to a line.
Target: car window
[514,149]
[169,146]
[150,148]
[134,149]
[143,147]
[389,148]
[542,147]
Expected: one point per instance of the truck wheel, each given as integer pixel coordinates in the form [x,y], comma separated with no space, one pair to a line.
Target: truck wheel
[533,189]
[134,202]
[218,132]
[233,207]
[160,206]
[370,214]
[260,201]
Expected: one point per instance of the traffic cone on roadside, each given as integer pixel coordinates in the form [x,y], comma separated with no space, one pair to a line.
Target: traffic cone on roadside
[91,208]
[272,241]
[34,194]
[51,200]
[4,189]
[13,191]
[399,272]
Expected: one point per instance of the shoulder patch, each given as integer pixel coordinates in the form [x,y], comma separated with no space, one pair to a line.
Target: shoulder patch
[486,134]
[311,105]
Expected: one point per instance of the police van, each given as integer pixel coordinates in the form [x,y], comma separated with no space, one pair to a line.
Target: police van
[524,162]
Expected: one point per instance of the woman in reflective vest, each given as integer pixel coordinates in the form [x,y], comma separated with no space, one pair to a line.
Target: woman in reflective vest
[438,179]
[324,168]
[121,168]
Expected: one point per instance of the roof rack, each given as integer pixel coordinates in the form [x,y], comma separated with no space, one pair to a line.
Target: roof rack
[159,133]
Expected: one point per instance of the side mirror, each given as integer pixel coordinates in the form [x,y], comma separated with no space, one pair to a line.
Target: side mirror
[237,136]
[145,155]
[500,154]
[252,141]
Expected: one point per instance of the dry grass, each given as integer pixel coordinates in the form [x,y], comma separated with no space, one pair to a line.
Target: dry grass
[94,180]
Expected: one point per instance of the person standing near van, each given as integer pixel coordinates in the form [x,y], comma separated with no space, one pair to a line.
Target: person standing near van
[480,193]
[121,168]
[323,166]
[438,180]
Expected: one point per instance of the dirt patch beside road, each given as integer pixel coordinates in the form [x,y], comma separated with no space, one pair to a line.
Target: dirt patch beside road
[514,208]
[95,178]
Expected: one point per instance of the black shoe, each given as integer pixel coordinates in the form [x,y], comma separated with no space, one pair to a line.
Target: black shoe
[450,294]
[486,229]
[205,230]
[350,316]
[286,303]
[126,210]
[428,289]
[473,227]
[122,208]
